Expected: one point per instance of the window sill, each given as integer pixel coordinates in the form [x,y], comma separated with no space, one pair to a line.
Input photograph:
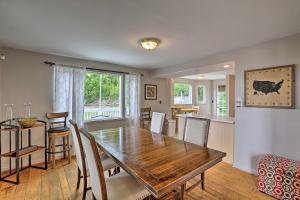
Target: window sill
[104,120]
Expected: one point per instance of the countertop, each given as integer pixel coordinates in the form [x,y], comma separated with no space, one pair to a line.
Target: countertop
[213,118]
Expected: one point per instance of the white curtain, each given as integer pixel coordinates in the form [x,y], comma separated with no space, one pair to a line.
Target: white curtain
[68,92]
[132,99]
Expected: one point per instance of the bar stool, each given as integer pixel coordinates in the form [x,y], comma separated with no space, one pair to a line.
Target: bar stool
[58,129]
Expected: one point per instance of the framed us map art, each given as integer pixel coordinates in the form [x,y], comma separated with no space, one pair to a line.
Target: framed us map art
[272,87]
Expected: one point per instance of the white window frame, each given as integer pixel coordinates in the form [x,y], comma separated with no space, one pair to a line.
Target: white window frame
[190,93]
[122,96]
[204,95]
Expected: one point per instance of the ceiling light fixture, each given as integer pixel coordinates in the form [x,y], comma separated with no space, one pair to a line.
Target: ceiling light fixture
[226,66]
[200,77]
[149,43]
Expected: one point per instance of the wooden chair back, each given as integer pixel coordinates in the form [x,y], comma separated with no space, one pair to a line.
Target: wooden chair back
[157,122]
[94,164]
[78,147]
[196,130]
[146,113]
[57,119]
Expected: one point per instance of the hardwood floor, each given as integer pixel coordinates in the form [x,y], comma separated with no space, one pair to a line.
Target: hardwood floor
[223,182]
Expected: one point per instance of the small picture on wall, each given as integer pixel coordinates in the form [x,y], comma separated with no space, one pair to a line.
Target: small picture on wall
[270,87]
[150,92]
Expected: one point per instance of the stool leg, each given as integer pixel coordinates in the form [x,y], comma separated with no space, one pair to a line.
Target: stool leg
[69,149]
[49,149]
[53,154]
[64,147]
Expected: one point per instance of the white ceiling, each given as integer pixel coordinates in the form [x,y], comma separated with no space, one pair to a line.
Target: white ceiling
[210,76]
[108,30]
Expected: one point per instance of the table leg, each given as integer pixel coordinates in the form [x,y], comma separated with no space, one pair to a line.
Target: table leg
[182,191]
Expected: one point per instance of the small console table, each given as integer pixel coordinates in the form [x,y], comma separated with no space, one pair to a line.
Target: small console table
[17,150]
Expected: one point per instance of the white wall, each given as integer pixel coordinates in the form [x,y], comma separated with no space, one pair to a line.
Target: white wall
[24,77]
[1,85]
[260,130]
[162,104]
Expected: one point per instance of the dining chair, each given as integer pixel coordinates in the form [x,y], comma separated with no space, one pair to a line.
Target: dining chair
[196,131]
[58,130]
[157,122]
[120,186]
[145,116]
[83,172]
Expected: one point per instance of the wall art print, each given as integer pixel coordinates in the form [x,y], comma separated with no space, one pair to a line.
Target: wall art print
[272,87]
[150,92]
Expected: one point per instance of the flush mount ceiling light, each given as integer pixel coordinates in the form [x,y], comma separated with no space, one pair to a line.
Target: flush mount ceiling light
[200,77]
[149,43]
[226,66]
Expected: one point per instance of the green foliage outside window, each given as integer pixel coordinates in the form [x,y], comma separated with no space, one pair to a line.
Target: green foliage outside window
[110,88]
[91,87]
[181,89]
[182,93]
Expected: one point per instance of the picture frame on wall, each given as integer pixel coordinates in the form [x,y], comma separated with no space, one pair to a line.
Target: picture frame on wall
[272,87]
[150,92]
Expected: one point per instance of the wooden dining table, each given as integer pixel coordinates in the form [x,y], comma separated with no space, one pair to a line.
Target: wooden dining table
[159,162]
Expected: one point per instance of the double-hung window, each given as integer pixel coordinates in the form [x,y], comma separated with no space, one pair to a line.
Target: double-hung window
[182,93]
[103,96]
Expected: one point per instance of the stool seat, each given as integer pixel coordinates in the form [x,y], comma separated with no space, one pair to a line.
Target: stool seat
[58,129]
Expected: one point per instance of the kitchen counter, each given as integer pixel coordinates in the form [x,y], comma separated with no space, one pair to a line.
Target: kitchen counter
[213,118]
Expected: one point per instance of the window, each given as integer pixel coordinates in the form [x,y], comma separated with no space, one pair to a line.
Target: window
[103,96]
[201,94]
[221,100]
[182,93]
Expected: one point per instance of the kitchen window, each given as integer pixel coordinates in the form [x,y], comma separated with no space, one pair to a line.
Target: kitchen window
[182,93]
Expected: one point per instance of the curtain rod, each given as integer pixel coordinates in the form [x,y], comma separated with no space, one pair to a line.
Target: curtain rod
[88,68]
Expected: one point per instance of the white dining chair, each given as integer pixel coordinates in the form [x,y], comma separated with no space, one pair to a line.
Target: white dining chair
[196,131]
[120,186]
[83,172]
[157,122]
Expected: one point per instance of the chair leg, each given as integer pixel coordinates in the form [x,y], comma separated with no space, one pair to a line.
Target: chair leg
[78,178]
[49,149]
[202,182]
[53,154]
[69,149]
[84,188]
[64,147]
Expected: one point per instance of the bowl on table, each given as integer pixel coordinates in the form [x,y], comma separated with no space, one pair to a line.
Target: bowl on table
[27,122]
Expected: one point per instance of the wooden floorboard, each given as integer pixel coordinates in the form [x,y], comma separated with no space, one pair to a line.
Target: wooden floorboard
[223,182]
